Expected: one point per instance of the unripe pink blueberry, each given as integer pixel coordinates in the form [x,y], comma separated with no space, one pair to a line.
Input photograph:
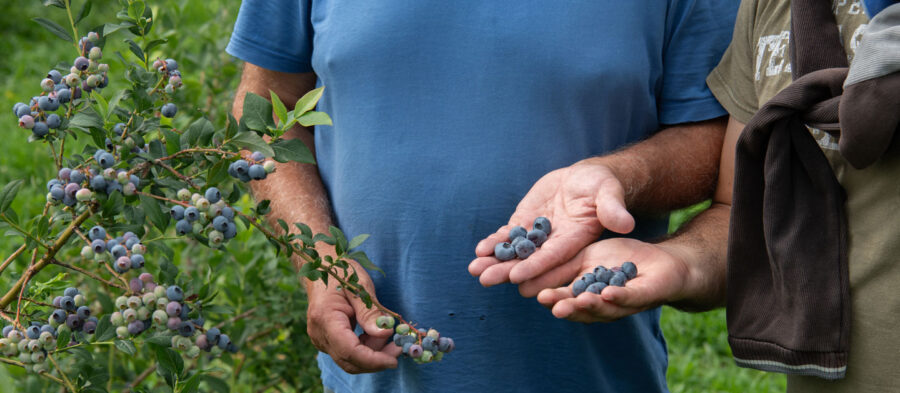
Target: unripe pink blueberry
[47,85]
[123,263]
[173,323]
[173,309]
[136,285]
[26,122]
[150,287]
[84,195]
[145,277]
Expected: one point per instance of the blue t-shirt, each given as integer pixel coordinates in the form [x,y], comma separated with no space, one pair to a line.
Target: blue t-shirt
[445,114]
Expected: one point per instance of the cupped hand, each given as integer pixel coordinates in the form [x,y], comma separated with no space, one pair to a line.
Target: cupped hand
[580,201]
[332,315]
[661,278]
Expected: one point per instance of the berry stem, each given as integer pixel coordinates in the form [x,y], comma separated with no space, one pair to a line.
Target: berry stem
[89,274]
[236,318]
[61,373]
[140,378]
[185,204]
[43,374]
[74,29]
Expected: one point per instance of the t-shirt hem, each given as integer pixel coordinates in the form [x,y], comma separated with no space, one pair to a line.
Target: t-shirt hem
[261,56]
[693,111]
[727,98]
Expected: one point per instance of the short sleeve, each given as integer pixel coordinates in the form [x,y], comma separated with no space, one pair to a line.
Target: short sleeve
[697,33]
[273,34]
[732,81]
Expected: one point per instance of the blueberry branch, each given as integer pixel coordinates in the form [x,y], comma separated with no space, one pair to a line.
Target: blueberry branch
[61,373]
[51,252]
[72,23]
[43,374]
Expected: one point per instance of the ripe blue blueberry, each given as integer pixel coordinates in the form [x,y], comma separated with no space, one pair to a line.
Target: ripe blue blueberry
[524,249]
[98,246]
[191,214]
[578,287]
[171,65]
[68,303]
[186,329]
[83,312]
[118,251]
[57,193]
[64,95]
[213,195]
[504,251]
[137,261]
[618,279]
[135,327]
[6,330]
[517,231]
[257,156]
[53,121]
[596,287]
[629,269]
[33,332]
[97,232]
[98,183]
[71,189]
[55,76]
[542,224]
[183,227]
[169,110]
[537,236]
[174,293]
[70,292]
[90,326]
[112,187]
[119,128]
[257,172]
[220,223]
[177,212]
[48,329]
[74,322]
[231,232]
[76,176]
[228,213]
[212,335]
[23,110]
[40,129]
[605,276]
[58,315]
[446,344]
[429,344]
[46,103]
[223,342]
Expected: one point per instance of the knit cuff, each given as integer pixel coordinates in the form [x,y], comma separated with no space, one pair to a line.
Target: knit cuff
[772,357]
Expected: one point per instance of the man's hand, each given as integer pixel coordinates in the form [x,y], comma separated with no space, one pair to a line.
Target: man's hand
[580,201]
[662,278]
[332,315]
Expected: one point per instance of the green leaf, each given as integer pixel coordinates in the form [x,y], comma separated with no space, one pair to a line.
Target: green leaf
[216,384]
[105,330]
[55,3]
[8,193]
[321,237]
[191,385]
[341,240]
[357,241]
[308,101]
[161,339]
[253,142]
[86,120]
[152,44]
[62,340]
[314,119]
[110,28]
[157,217]
[126,346]
[292,150]
[54,28]
[135,48]
[304,229]
[169,360]
[85,11]
[257,113]
[217,173]
[279,108]
[173,140]
[112,205]
[363,260]
[199,132]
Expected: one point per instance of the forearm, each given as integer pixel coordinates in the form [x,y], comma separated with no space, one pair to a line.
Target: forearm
[702,246]
[676,167]
[295,190]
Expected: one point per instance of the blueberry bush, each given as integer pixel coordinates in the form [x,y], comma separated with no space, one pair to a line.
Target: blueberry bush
[128,278]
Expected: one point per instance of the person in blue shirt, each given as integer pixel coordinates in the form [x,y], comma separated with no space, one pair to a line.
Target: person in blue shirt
[445,115]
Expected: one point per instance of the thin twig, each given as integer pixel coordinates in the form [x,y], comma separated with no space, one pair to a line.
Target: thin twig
[235,318]
[61,373]
[140,378]
[11,258]
[89,274]
[43,374]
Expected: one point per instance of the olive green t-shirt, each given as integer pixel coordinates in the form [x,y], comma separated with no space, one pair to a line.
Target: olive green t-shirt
[756,67]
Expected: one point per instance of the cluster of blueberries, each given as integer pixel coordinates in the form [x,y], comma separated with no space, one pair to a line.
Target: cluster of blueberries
[162,307]
[85,75]
[522,243]
[207,211]
[256,168]
[601,277]
[169,69]
[77,185]
[32,345]
[125,251]
[420,345]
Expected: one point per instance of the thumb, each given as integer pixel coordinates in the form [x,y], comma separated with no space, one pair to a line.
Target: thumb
[611,209]
[366,318]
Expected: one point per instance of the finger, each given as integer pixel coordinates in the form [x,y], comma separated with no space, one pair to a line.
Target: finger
[590,307]
[497,274]
[379,344]
[611,209]
[355,357]
[562,275]
[552,253]
[479,265]
[550,296]
[486,247]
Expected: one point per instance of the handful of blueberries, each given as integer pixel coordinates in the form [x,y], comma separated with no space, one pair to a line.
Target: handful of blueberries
[522,243]
[601,277]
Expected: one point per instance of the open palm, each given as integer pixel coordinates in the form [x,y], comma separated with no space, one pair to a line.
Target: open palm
[662,278]
[580,201]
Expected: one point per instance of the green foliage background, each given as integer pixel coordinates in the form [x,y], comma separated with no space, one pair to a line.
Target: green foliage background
[276,354]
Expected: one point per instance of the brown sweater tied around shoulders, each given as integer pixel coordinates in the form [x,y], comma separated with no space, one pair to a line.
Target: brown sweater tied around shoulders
[788,304]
